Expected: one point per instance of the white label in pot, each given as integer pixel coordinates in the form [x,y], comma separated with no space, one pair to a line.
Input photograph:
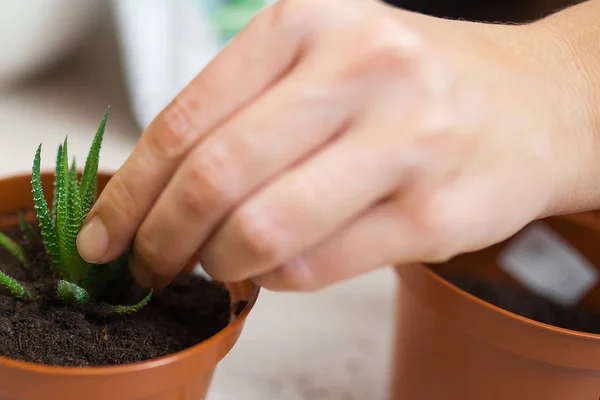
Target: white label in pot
[542,261]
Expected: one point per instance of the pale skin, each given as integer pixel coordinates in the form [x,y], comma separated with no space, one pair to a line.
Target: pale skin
[333,137]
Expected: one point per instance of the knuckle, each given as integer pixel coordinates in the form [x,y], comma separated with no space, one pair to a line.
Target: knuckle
[264,18]
[286,13]
[298,277]
[435,221]
[439,134]
[289,277]
[174,131]
[207,183]
[385,48]
[439,227]
[441,253]
[310,185]
[285,19]
[257,235]
[215,271]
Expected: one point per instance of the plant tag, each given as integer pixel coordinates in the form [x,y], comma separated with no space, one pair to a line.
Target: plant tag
[548,265]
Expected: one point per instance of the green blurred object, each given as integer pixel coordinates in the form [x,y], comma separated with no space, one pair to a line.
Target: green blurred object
[231,18]
[248,3]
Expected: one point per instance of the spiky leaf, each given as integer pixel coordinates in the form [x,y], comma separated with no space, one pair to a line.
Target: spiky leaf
[47,228]
[13,248]
[56,183]
[131,309]
[62,209]
[88,185]
[69,224]
[74,201]
[73,171]
[26,229]
[71,293]
[15,287]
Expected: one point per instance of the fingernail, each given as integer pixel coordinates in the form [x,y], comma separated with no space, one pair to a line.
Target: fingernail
[140,273]
[93,241]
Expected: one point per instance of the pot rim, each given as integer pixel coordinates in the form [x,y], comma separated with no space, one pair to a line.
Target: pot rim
[140,365]
[99,371]
[495,326]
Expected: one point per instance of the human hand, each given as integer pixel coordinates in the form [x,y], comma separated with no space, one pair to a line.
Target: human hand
[333,137]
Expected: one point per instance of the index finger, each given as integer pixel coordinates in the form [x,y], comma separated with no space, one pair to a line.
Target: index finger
[253,61]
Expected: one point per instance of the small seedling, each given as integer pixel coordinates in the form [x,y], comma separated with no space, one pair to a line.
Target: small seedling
[79,282]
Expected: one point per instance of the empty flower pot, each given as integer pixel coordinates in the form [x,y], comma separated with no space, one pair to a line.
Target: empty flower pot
[183,375]
[452,345]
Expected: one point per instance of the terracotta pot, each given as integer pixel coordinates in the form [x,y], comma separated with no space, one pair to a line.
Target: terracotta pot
[180,376]
[453,346]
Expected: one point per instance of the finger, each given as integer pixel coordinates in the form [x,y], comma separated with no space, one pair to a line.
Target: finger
[380,237]
[276,131]
[253,61]
[300,208]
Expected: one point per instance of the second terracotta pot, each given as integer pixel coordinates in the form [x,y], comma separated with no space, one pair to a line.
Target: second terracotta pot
[185,375]
[453,346]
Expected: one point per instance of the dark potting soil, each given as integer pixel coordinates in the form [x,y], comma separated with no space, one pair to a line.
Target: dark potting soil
[45,331]
[527,304]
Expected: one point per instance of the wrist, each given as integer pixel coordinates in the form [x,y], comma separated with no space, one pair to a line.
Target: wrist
[565,53]
[554,103]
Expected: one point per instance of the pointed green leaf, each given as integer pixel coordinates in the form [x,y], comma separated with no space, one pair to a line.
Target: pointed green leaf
[13,248]
[15,287]
[26,229]
[62,205]
[74,220]
[87,188]
[73,171]
[70,293]
[70,223]
[49,233]
[56,183]
[131,309]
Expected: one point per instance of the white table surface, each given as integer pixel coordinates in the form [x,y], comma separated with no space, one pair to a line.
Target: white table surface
[334,344]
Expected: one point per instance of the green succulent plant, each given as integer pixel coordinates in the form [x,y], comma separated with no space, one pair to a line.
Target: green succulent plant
[79,282]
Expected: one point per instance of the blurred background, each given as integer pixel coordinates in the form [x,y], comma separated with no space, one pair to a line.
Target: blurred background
[63,61]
